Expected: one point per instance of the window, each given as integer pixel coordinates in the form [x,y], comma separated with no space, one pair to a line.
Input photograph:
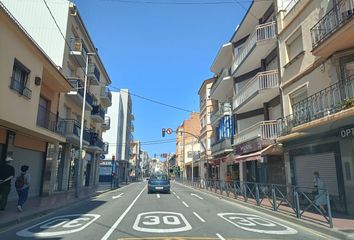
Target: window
[294,45]
[43,117]
[19,77]
[295,98]
[208,92]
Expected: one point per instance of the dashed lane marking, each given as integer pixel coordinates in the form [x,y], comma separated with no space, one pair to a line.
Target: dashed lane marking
[185,204]
[158,195]
[199,217]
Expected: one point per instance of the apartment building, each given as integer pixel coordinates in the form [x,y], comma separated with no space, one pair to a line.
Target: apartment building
[114,136]
[316,43]
[134,161]
[207,106]
[188,147]
[74,55]
[128,126]
[30,132]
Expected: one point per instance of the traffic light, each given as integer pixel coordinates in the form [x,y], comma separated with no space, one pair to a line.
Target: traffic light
[163,132]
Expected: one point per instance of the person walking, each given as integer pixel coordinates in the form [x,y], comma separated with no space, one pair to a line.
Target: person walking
[22,185]
[320,193]
[7,172]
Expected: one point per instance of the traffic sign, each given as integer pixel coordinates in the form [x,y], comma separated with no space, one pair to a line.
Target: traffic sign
[169,131]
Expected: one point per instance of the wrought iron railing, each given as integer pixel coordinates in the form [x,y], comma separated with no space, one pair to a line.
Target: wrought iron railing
[77,85]
[290,199]
[93,72]
[263,80]
[330,100]
[98,111]
[329,23]
[263,129]
[72,127]
[77,45]
[49,120]
[262,32]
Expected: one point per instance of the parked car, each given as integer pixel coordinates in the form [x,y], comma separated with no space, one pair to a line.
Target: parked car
[159,183]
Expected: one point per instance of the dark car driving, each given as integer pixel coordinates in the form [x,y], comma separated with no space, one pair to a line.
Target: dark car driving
[159,183]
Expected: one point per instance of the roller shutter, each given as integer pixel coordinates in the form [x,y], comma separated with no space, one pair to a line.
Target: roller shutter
[324,163]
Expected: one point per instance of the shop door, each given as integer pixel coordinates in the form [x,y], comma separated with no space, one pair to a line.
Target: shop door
[324,163]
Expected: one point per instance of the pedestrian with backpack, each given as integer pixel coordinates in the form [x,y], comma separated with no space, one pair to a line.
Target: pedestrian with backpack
[22,185]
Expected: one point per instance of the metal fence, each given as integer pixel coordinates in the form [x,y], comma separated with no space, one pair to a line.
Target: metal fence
[284,198]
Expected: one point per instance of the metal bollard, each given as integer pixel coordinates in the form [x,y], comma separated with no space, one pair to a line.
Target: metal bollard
[274,199]
[297,204]
[330,220]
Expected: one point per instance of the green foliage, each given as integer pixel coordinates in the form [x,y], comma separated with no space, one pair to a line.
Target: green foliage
[348,103]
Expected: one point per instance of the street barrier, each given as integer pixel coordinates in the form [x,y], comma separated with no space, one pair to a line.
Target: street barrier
[286,198]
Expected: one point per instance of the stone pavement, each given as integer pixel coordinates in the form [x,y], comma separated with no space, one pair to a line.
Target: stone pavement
[38,206]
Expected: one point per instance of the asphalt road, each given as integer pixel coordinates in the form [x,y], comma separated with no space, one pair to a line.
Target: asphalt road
[132,213]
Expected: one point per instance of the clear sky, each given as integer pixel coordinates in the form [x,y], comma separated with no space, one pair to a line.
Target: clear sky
[162,52]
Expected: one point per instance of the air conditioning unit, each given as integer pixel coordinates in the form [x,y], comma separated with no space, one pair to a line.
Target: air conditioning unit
[27,93]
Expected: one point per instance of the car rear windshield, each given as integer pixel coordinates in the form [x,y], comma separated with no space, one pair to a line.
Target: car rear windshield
[159,177]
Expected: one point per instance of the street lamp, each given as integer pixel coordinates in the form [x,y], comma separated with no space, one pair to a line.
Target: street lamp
[78,167]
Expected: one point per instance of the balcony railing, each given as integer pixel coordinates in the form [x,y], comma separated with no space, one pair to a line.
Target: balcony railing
[107,122]
[330,100]
[77,85]
[98,111]
[224,109]
[49,120]
[222,145]
[72,127]
[95,140]
[264,130]
[262,32]
[225,73]
[105,147]
[329,23]
[93,74]
[77,47]
[263,80]
[106,94]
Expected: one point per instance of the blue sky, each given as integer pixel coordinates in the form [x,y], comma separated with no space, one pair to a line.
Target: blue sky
[163,52]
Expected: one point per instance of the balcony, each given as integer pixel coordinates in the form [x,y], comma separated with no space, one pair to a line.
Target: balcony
[98,114]
[320,108]
[107,123]
[49,121]
[78,94]
[106,97]
[105,148]
[267,131]
[332,32]
[96,143]
[260,89]
[93,74]
[258,45]
[223,86]
[224,110]
[71,129]
[224,145]
[78,51]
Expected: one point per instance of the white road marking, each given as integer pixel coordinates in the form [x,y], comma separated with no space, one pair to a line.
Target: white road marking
[258,224]
[220,237]
[118,196]
[185,204]
[60,225]
[115,225]
[178,197]
[199,217]
[158,195]
[169,219]
[192,194]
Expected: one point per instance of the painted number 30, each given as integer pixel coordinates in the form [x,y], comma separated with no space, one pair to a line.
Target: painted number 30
[155,220]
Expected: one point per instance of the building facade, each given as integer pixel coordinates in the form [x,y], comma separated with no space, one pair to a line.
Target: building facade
[134,161]
[30,132]
[74,54]
[316,46]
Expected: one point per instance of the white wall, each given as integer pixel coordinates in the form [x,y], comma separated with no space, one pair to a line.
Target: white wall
[245,123]
[34,13]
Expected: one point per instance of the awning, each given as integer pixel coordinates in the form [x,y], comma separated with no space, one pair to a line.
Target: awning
[256,155]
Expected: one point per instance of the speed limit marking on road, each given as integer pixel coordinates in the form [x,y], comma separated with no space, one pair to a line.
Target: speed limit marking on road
[60,225]
[161,222]
[254,223]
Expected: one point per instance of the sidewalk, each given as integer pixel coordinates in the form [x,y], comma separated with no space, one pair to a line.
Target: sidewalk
[343,225]
[39,206]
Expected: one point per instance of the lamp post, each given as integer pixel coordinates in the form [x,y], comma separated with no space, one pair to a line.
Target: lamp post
[78,167]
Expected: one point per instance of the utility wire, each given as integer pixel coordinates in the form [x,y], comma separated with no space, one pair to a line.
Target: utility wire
[83,70]
[181,2]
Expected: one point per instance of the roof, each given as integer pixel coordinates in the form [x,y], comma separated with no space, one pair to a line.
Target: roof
[205,82]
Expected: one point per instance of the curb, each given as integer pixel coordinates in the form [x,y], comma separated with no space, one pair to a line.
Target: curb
[283,216]
[47,211]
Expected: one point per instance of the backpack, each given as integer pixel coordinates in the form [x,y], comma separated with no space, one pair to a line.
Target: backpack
[20,181]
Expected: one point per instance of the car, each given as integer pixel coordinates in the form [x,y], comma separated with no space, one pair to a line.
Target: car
[159,183]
